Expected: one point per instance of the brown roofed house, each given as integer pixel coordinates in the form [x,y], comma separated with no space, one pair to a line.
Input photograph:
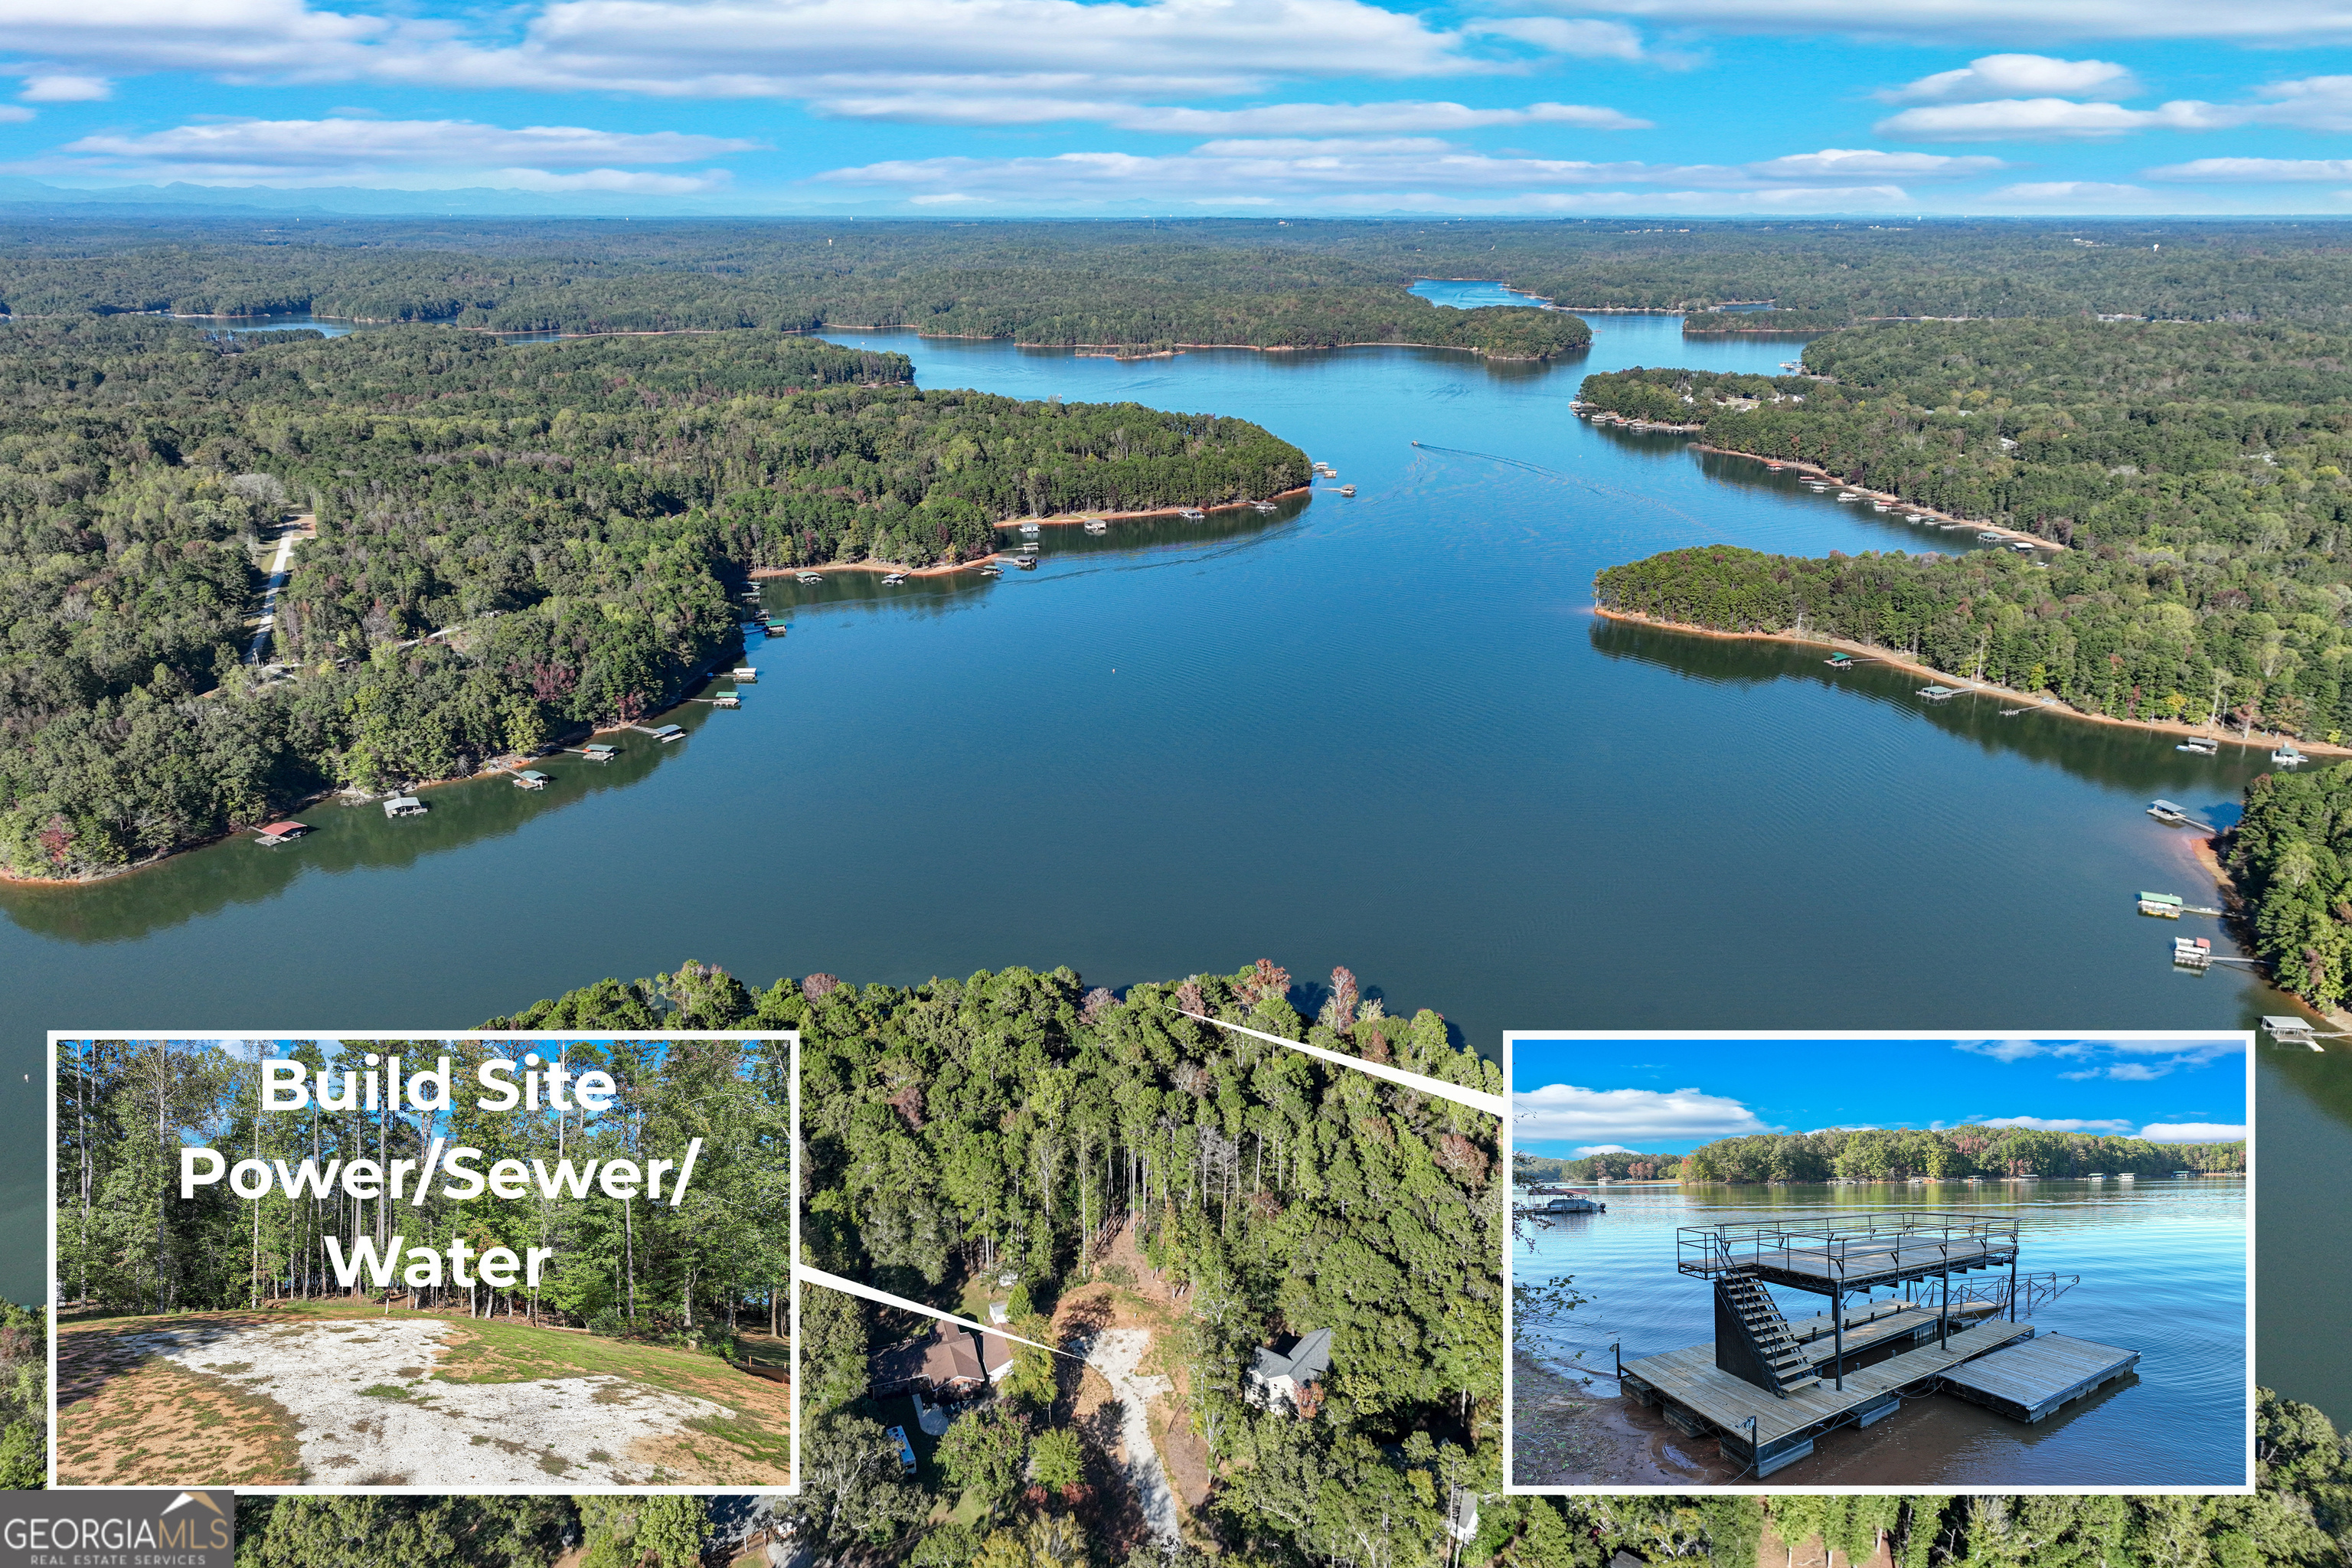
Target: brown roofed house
[944,1364]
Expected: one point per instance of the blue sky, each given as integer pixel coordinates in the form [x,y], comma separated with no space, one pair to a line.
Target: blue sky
[1668,1097]
[1539,107]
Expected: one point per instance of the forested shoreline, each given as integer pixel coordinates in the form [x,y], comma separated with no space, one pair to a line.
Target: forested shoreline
[1878,1154]
[514,542]
[2195,474]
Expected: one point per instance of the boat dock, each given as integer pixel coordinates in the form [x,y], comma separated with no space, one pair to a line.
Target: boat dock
[1769,1386]
[1770,1431]
[2027,1381]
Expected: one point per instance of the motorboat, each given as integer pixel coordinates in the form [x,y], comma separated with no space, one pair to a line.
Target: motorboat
[894,579]
[2202,745]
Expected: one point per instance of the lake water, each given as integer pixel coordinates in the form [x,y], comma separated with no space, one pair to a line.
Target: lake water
[2162,1266]
[1384,731]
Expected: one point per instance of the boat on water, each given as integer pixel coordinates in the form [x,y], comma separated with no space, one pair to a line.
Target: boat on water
[1911,516]
[2202,745]
[1848,495]
[2286,756]
[1262,506]
[1991,538]
[1346,490]
[812,578]
[1191,513]
[894,578]
[1096,525]
[1573,1203]
[1841,661]
[2171,815]
[1028,563]
[1029,528]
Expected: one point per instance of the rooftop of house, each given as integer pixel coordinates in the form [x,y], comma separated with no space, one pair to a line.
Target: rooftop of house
[1304,1360]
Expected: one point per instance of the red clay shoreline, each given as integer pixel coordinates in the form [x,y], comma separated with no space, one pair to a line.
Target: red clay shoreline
[1876,655]
[1058,521]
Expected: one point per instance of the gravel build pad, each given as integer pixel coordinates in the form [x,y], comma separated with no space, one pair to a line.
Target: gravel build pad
[1116,1354]
[367,1413]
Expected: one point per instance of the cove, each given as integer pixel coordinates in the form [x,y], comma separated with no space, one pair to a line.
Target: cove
[1384,731]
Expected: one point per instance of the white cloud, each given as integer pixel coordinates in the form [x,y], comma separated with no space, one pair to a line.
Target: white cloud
[2193,1132]
[2017,75]
[1590,1149]
[2312,103]
[1553,34]
[2282,21]
[2047,119]
[1264,119]
[1623,1116]
[336,149]
[1377,173]
[1833,162]
[624,180]
[2075,191]
[67,89]
[15,114]
[2255,171]
[2114,1129]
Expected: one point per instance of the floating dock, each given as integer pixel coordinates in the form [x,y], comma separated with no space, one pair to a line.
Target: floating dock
[1770,1386]
[2027,1381]
[1703,1400]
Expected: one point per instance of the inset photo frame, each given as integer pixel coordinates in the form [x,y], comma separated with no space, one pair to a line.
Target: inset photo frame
[1879,1262]
[428,1262]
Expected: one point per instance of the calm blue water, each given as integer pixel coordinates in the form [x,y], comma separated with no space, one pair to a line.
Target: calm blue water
[2163,1268]
[1385,732]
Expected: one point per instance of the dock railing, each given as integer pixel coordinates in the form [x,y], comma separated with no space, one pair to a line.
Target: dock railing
[1859,1248]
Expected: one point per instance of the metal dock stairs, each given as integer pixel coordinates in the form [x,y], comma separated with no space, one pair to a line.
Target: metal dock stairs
[1748,1319]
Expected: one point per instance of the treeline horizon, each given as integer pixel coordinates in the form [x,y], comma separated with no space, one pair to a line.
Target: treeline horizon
[1151,283]
[1884,1154]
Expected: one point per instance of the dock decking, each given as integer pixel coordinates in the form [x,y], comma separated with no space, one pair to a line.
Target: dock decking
[2027,1381]
[1700,1398]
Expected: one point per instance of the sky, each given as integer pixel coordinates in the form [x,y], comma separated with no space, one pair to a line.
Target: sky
[1572,1098]
[1340,108]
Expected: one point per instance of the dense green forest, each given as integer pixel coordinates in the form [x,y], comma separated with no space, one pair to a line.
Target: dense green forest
[1067,285]
[2197,474]
[564,522]
[1609,1167]
[1875,1154]
[1016,1121]
[701,1270]
[2293,864]
[1155,283]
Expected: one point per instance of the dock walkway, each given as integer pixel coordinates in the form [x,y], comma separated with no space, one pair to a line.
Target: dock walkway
[1700,1398]
[2027,1381]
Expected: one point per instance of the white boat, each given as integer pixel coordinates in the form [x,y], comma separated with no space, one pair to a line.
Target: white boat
[893,579]
[1262,506]
[1911,516]
[1096,525]
[2202,745]
[1192,514]
[2286,756]
[1991,538]
[1028,528]
[811,577]
[1848,495]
